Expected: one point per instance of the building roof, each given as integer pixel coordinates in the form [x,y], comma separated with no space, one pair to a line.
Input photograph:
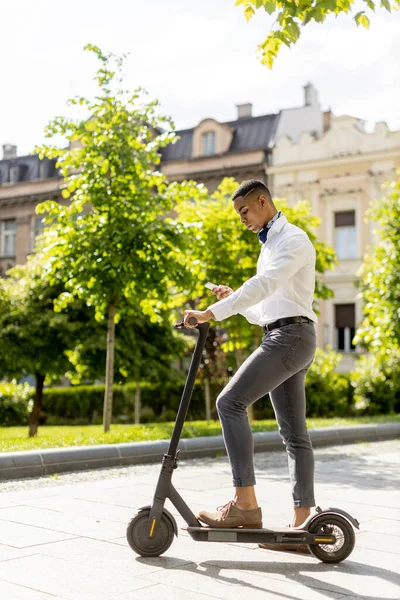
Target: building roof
[250,133]
[30,168]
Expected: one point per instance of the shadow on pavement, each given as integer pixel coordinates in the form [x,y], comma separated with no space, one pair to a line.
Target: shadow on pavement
[293,572]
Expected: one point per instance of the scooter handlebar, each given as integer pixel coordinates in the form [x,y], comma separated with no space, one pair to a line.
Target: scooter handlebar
[193,322]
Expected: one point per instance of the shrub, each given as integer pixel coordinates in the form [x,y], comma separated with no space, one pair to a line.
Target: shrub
[147,415]
[15,402]
[329,394]
[376,380]
[81,405]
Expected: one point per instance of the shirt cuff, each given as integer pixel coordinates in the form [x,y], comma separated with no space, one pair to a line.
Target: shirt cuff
[222,309]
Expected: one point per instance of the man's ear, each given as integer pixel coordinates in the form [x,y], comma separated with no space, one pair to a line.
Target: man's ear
[263,200]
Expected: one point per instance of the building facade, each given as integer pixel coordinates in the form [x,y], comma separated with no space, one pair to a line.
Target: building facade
[339,173]
[25,181]
[241,148]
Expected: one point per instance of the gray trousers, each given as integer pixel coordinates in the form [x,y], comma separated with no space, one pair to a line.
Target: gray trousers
[277,367]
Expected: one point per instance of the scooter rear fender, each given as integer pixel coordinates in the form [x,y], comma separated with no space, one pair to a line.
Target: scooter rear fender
[331,510]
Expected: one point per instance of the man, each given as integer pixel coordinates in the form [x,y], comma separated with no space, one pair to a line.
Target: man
[278,298]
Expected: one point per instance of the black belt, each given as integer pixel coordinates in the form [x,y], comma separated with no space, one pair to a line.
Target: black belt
[286,321]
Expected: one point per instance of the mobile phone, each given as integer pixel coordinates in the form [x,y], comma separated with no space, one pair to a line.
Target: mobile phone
[210,285]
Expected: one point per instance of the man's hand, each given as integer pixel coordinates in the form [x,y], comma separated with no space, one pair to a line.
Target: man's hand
[222,291]
[201,316]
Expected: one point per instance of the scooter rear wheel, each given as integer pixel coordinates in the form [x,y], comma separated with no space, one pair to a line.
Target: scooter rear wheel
[341,529]
[139,541]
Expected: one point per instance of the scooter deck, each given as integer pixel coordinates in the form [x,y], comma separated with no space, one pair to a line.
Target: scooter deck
[284,535]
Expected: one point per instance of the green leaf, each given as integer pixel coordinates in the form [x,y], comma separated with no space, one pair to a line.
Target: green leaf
[104,166]
[249,12]
[293,31]
[362,19]
[269,6]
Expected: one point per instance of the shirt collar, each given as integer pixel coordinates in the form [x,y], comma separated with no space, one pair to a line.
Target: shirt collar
[263,233]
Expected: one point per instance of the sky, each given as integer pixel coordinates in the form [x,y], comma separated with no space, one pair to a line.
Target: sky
[197,57]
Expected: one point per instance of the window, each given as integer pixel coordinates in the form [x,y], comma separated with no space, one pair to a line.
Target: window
[15,174]
[345,235]
[208,143]
[37,228]
[45,169]
[345,322]
[8,237]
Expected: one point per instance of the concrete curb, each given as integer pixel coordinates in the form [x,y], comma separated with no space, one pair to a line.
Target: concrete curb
[37,463]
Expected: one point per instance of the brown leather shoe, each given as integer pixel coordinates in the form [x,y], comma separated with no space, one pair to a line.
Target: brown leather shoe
[302,548]
[229,515]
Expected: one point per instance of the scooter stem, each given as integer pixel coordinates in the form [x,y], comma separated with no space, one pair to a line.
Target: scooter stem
[188,389]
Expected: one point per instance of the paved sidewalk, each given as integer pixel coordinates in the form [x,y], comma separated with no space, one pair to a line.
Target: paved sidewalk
[63,537]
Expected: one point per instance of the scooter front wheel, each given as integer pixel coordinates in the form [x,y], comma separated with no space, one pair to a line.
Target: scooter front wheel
[345,538]
[141,543]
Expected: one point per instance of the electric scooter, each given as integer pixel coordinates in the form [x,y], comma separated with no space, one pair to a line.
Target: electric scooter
[329,533]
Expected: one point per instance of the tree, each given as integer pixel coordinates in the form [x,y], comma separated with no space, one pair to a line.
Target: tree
[379,331]
[144,351]
[292,17]
[376,378]
[112,245]
[224,252]
[33,338]
[213,224]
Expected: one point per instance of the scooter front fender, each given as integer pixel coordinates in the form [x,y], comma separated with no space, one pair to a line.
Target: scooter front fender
[172,518]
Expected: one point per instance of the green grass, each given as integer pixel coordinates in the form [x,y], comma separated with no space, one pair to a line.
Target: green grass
[16,438]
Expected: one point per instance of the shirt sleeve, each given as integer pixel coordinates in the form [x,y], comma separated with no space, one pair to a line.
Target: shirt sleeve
[290,257]
[252,314]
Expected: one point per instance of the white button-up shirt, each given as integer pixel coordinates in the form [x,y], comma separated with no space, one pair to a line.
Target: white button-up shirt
[285,280]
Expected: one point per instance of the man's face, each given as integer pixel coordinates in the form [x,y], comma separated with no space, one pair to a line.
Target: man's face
[254,210]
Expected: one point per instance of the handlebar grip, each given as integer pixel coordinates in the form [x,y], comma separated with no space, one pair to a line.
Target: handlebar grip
[192,321]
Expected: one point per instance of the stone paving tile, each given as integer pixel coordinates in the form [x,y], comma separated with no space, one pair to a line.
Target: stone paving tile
[10,591]
[381,499]
[7,552]
[231,581]
[388,526]
[368,511]
[161,592]
[354,575]
[17,535]
[128,497]
[379,541]
[117,559]
[72,580]
[60,522]
[9,499]
[96,510]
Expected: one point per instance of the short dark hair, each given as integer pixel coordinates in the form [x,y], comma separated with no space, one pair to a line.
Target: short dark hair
[248,186]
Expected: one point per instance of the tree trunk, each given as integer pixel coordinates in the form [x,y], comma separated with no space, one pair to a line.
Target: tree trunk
[137,403]
[239,356]
[37,405]
[108,393]
[207,399]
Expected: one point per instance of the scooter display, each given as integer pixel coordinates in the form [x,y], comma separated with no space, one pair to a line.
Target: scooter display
[329,533]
